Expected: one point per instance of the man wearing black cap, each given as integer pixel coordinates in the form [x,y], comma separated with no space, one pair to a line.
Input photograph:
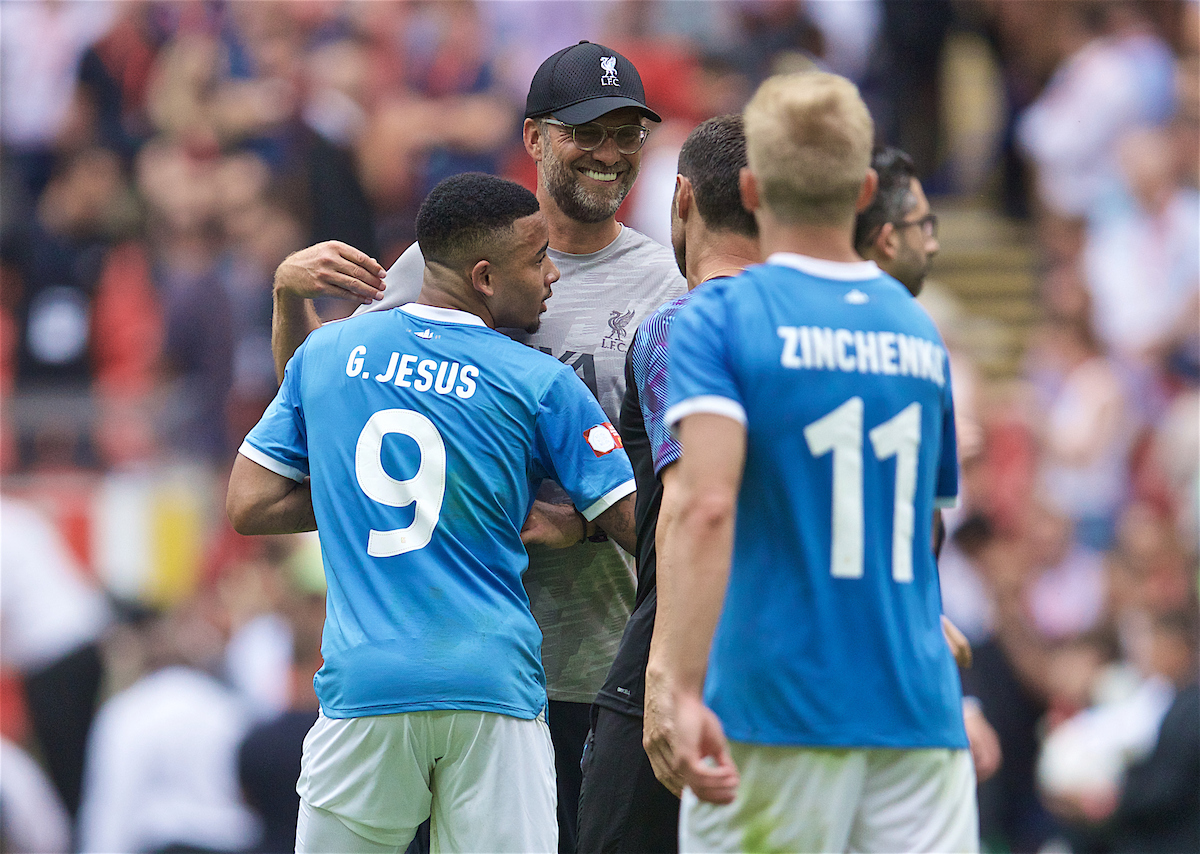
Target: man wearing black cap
[584,128]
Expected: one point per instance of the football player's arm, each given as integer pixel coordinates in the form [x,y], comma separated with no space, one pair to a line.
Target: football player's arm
[561,526]
[983,740]
[618,522]
[960,647]
[695,547]
[333,269]
[260,501]
[556,526]
[658,721]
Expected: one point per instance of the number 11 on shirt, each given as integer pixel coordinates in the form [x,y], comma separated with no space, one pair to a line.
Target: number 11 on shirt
[841,431]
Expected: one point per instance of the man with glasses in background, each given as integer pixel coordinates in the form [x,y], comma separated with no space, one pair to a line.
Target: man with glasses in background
[584,128]
[897,230]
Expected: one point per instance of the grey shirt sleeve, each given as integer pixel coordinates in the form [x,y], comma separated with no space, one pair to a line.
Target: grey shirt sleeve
[403,281]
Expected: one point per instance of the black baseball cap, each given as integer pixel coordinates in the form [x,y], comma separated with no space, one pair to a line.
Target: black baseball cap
[582,82]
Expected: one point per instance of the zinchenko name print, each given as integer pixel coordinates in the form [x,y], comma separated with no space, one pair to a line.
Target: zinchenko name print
[889,353]
[409,371]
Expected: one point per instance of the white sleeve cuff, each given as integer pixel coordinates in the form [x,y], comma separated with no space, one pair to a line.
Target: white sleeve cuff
[945,502]
[271,464]
[708,403]
[608,500]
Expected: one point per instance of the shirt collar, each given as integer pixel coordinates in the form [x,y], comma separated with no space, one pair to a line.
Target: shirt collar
[846,271]
[442,315]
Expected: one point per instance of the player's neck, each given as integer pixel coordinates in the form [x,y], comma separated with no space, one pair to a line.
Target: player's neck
[572,236]
[726,255]
[827,242]
[442,290]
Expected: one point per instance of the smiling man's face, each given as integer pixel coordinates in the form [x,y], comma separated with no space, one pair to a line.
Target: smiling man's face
[589,186]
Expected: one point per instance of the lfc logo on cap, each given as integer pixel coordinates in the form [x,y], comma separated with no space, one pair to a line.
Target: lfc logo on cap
[609,77]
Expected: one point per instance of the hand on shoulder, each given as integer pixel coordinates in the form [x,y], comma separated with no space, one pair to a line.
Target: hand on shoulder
[330,269]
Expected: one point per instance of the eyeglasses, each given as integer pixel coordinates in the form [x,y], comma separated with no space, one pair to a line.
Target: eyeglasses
[928,224]
[589,137]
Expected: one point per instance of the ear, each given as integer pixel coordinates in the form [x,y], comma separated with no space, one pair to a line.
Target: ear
[685,197]
[481,278]
[866,193]
[531,135]
[886,242]
[748,185]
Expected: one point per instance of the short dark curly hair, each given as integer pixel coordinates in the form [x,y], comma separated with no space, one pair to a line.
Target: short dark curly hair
[893,200]
[712,158]
[459,219]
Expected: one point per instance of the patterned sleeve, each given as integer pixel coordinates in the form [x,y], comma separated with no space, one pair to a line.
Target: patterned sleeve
[279,441]
[578,446]
[701,373]
[649,358]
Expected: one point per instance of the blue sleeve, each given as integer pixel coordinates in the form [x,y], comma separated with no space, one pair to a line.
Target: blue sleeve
[947,480]
[279,441]
[650,360]
[577,446]
[701,367]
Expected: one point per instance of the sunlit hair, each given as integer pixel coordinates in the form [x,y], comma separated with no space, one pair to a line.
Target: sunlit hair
[808,141]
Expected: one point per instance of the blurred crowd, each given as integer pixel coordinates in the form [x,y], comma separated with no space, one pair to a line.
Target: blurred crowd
[159,159]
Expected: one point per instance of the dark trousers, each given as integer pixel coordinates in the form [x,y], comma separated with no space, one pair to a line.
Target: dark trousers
[569,723]
[622,806]
[62,702]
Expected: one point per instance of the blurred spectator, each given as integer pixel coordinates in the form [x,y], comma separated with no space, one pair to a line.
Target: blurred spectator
[1127,772]
[258,657]
[516,55]
[86,207]
[51,620]
[1115,74]
[1008,679]
[1142,255]
[162,757]
[269,756]
[32,818]
[440,111]
[1089,426]
[850,30]
[186,240]
[114,75]
[1170,473]
[259,230]
[41,45]
[770,35]
[1065,592]
[83,311]
[333,117]
[908,75]
[1156,569]
[966,597]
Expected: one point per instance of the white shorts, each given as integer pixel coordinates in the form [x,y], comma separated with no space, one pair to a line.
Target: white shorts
[487,780]
[810,799]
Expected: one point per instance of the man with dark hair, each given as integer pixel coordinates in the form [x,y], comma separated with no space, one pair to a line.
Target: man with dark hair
[622,805]
[897,230]
[433,698]
[585,123]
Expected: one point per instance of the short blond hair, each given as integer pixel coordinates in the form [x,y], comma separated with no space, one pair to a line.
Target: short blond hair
[808,142]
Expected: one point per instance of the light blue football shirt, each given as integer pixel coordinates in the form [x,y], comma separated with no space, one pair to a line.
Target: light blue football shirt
[426,435]
[830,634]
